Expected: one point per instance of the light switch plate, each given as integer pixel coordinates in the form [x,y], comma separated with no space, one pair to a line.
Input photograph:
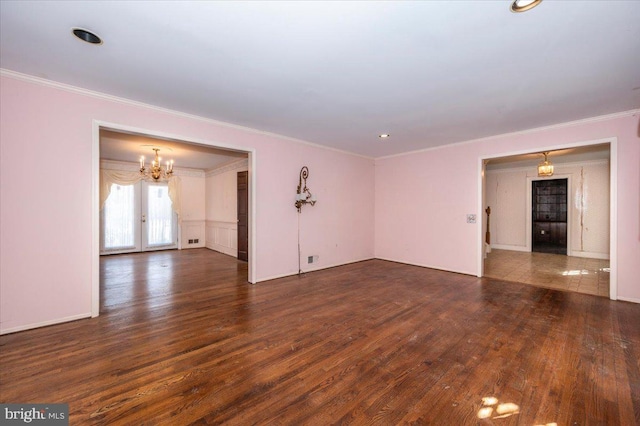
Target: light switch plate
[471,218]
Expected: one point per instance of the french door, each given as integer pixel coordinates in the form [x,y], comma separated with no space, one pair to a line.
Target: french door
[138,217]
[549,216]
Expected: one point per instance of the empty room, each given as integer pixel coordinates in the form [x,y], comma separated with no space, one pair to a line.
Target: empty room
[320,212]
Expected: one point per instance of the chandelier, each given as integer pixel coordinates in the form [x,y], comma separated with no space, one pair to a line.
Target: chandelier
[545,168]
[156,171]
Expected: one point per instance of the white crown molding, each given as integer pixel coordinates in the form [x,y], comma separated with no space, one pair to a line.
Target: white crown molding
[240,165]
[135,167]
[522,132]
[69,88]
[558,166]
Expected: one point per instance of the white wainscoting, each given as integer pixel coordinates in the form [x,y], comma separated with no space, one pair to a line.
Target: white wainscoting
[192,230]
[222,237]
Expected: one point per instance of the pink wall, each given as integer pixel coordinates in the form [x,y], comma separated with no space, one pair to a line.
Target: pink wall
[46,224]
[422,198]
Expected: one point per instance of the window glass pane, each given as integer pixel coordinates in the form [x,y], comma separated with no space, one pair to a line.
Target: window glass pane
[160,216]
[118,218]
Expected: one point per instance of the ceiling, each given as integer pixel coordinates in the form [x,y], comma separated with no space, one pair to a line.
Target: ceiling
[579,154]
[339,73]
[118,146]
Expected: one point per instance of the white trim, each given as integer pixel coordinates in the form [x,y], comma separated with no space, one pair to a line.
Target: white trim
[222,250]
[613,219]
[95,211]
[112,98]
[46,323]
[557,166]
[178,138]
[524,132]
[558,146]
[590,255]
[223,225]
[95,220]
[613,202]
[253,214]
[239,165]
[50,83]
[480,238]
[423,265]
[629,299]
[508,247]
[290,274]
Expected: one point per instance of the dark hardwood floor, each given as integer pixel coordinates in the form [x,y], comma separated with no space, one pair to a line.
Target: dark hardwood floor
[183,339]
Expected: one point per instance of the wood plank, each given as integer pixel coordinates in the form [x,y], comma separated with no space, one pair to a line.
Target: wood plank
[183,339]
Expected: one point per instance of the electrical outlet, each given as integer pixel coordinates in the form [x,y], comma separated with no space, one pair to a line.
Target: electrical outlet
[471,218]
[196,241]
[310,259]
[313,259]
[190,241]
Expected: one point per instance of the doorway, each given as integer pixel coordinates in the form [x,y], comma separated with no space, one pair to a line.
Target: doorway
[549,216]
[595,160]
[127,146]
[138,217]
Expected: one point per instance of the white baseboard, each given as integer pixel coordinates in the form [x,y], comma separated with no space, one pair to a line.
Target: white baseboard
[508,247]
[45,323]
[290,274]
[590,255]
[429,266]
[193,246]
[224,250]
[629,299]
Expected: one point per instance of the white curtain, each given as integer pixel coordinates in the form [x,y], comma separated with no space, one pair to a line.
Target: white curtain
[109,177]
[119,218]
[159,216]
[174,195]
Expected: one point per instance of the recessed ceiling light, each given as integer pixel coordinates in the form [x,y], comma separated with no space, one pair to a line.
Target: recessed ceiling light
[384,135]
[524,5]
[86,35]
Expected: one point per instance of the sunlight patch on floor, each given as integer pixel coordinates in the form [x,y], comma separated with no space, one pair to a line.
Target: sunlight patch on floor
[576,272]
[491,408]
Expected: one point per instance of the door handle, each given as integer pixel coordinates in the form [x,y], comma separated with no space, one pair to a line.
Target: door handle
[144,218]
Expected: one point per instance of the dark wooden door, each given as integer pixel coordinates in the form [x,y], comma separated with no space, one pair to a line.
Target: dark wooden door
[549,220]
[243,216]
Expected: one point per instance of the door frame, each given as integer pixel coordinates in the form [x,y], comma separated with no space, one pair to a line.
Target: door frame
[529,222]
[613,202]
[95,195]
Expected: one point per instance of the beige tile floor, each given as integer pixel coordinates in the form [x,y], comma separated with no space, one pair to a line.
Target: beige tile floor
[578,274]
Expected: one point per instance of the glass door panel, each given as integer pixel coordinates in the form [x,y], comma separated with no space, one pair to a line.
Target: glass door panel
[120,224]
[159,219]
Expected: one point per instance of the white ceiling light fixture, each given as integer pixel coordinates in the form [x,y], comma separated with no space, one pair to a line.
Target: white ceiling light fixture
[384,135]
[524,5]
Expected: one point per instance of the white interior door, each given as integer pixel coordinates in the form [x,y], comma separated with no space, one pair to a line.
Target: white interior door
[138,217]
